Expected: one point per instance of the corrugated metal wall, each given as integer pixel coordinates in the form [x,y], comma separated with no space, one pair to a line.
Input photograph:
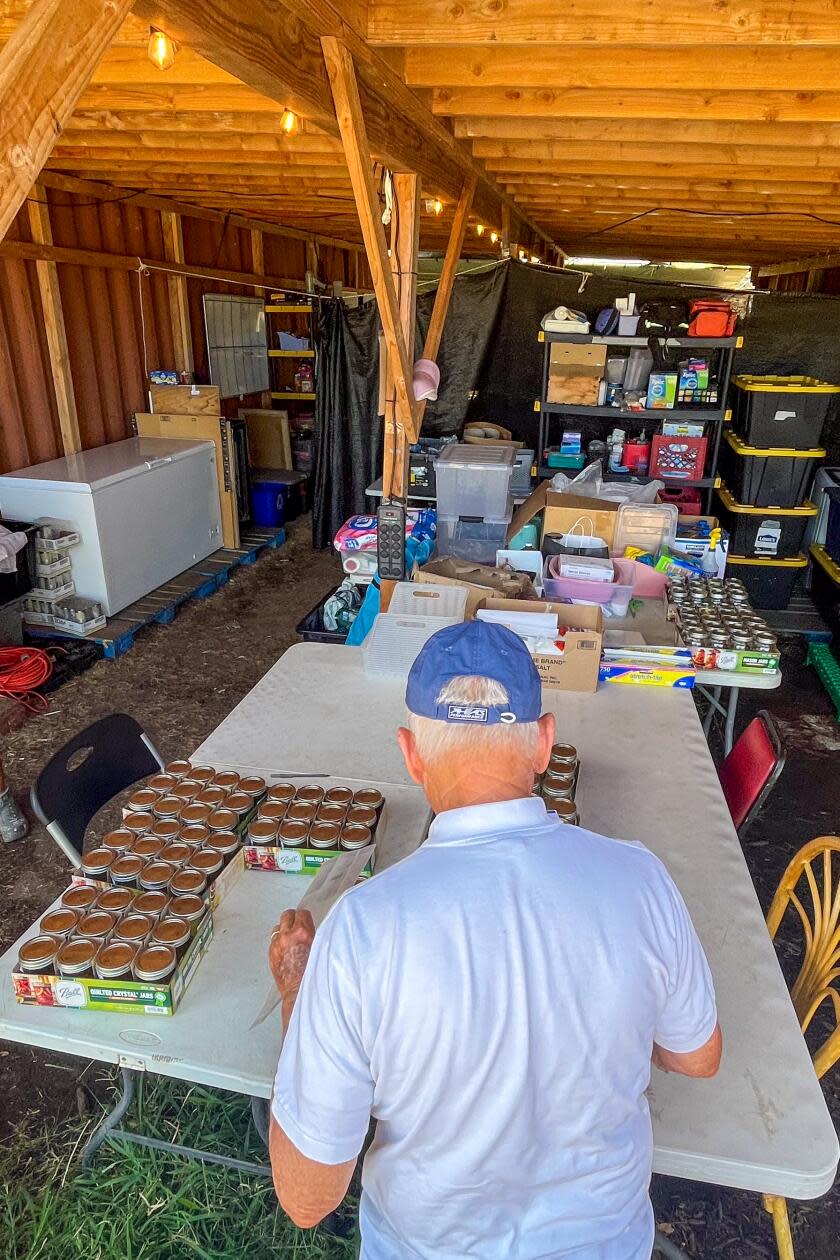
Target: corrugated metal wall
[113,339]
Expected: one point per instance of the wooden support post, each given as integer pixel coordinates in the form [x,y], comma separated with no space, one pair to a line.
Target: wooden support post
[68,418]
[405,236]
[179,307]
[351,125]
[257,252]
[312,258]
[44,68]
[505,231]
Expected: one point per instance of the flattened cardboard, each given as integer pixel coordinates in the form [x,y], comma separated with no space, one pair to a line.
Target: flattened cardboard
[577,669]
[453,572]
[505,437]
[564,512]
[575,373]
[186,400]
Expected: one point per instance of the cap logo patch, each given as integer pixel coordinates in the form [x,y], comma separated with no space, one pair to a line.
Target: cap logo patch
[466,713]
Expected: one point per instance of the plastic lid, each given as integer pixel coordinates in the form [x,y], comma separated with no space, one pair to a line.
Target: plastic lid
[805,509]
[797,562]
[468,455]
[648,525]
[762,452]
[785,384]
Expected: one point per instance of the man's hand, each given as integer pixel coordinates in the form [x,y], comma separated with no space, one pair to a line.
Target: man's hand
[288,954]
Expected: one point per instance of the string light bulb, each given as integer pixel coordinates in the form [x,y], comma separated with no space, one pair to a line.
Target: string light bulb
[162,49]
[494,236]
[289,123]
[437,205]
[479,229]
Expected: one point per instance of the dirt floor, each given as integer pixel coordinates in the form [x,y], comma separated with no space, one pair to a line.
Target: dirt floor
[181,680]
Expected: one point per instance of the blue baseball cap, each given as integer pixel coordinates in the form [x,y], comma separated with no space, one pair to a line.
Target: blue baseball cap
[468,649]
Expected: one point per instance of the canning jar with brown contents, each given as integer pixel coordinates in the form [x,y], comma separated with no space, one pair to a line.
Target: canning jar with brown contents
[155,964]
[75,958]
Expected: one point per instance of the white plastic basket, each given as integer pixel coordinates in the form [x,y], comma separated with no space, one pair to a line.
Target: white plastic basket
[397,636]
[426,599]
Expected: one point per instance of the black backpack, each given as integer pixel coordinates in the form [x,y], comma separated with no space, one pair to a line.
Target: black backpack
[663,319]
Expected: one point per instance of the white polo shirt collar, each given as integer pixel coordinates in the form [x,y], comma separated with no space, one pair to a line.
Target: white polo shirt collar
[476,823]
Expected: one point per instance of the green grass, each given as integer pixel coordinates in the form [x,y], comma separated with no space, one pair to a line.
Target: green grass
[137,1204]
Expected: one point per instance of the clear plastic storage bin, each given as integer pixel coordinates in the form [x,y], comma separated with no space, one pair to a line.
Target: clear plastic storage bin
[650,526]
[476,540]
[474,481]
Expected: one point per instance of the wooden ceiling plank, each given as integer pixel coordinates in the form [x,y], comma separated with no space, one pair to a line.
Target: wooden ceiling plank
[638,155]
[192,98]
[662,169]
[686,131]
[278,147]
[171,120]
[638,102]
[595,24]
[810,263]
[44,68]
[800,69]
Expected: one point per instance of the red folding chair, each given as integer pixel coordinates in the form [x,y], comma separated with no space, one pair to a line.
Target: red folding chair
[749,772]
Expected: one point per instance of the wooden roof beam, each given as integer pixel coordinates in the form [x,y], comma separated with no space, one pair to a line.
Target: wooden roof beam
[683,131]
[813,262]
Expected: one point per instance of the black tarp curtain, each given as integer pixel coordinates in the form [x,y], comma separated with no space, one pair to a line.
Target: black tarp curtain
[491,362]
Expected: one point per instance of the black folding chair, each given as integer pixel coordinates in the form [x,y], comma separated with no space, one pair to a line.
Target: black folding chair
[86,773]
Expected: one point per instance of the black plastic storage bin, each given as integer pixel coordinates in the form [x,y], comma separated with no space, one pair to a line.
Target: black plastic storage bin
[311,627]
[832,530]
[786,411]
[769,583]
[13,585]
[768,476]
[825,587]
[777,533]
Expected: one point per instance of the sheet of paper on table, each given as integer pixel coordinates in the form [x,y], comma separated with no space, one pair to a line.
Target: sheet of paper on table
[334,878]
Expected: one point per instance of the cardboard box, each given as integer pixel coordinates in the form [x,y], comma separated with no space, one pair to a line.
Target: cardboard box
[698,547]
[564,512]
[575,372]
[92,994]
[186,400]
[577,669]
[301,861]
[480,581]
[269,438]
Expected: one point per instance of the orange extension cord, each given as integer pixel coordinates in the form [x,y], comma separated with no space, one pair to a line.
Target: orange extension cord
[22,670]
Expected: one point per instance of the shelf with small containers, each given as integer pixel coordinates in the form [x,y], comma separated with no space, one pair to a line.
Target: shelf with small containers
[710,388]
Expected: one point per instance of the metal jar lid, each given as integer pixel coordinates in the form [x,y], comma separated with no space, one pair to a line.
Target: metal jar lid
[174,932]
[213,795]
[313,793]
[97,862]
[75,956]
[96,924]
[566,811]
[292,833]
[114,960]
[177,853]
[195,813]
[555,791]
[187,881]
[195,834]
[167,829]
[302,811]
[223,842]
[152,903]
[120,841]
[155,875]
[338,796]
[222,820]
[252,785]
[126,868]
[186,790]
[148,847]
[354,836]
[331,813]
[203,774]
[138,824]
[59,922]
[371,797]
[188,906]
[143,799]
[274,810]
[324,835]
[240,802]
[207,861]
[79,897]
[167,807]
[361,816]
[38,954]
[719,639]
[262,830]
[226,779]
[133,927]
[178,769]
[281,791]
[163,782]
[115,900]
[155,964]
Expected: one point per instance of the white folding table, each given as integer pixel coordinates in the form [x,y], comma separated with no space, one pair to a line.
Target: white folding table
[646,774]
[713,683]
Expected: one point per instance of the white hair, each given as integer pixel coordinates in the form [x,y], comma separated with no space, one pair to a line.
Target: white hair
[436,739]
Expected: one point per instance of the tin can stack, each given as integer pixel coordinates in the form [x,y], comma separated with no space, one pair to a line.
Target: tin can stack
[558,785]
[719,625]
[297,828]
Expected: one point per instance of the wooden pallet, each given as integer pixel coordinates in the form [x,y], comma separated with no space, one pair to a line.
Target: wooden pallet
[160,606]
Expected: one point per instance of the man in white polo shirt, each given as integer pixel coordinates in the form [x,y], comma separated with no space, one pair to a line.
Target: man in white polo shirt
[493,1002]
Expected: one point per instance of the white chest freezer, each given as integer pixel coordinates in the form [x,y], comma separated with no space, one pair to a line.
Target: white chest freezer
[146,509]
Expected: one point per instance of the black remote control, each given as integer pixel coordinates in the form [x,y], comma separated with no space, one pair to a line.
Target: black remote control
[391,542]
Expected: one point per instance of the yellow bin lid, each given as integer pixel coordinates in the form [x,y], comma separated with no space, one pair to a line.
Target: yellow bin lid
[785,384]
[825,562]
[805,509]
[796,562]
[761,452]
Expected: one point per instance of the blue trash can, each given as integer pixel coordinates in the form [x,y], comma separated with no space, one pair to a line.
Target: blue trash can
[267,501]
